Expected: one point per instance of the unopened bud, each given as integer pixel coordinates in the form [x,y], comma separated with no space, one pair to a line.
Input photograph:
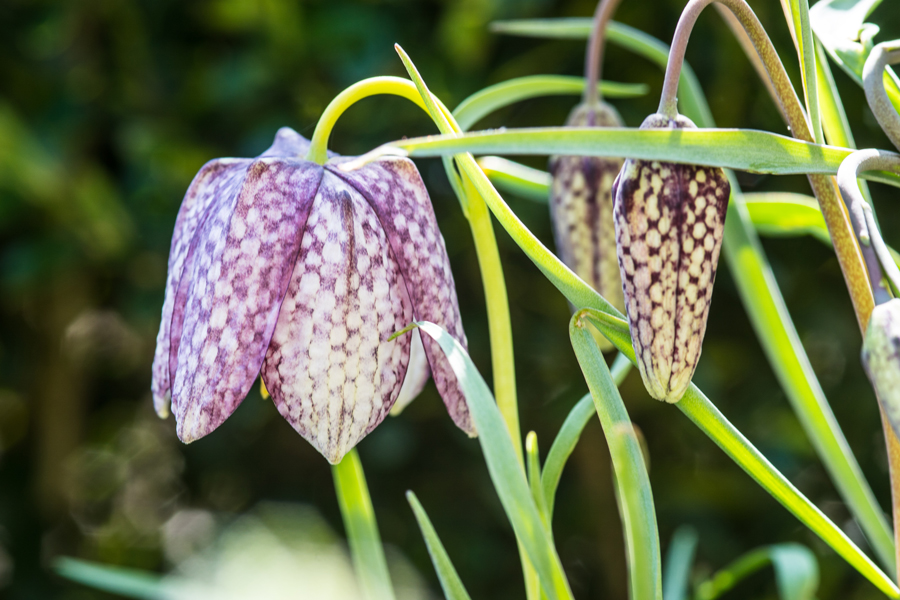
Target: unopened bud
[669,223]
[581,208]
[881,358]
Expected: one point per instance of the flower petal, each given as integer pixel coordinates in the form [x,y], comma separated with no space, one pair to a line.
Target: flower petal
[398,196]
[417,374]
[288,143]
[241,269]
[331,369]
[216,178]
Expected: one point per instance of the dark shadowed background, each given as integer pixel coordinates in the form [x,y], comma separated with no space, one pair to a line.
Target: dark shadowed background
[109,107]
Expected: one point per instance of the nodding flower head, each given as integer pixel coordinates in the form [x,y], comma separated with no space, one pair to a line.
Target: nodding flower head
[581,208]
[881,357]
[669,224]
[302,272]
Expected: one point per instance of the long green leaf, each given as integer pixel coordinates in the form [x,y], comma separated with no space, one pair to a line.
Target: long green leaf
[570,433]
[786,214]
[450,582]
[840,25]
[806,52]
[503,466]
[698,408]
[632,480]
[362,530]
[679,560]
[130,583]
[627,37]
[796,572]
[739,149]
[510,176]
[489,99]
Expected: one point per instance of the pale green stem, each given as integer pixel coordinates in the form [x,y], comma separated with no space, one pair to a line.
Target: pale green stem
[362,530]
[882,55]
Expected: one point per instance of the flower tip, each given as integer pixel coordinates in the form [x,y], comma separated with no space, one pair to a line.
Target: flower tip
[161,404]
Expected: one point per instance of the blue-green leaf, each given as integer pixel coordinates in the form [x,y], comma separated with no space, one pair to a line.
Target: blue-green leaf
[678,563]
[503,466]
[130,583]
[450,582]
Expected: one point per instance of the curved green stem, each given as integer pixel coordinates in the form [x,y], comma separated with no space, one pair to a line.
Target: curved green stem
[362,530]
[318,146]
[882,55]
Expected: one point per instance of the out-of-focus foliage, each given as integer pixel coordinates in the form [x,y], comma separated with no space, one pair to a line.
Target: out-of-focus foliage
[109,107]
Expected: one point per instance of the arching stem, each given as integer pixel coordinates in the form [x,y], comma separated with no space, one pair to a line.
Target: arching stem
[318,147]
[870,239]
[882,55]
[593,62]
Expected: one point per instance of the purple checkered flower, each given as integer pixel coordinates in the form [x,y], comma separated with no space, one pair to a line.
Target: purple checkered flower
[302,272]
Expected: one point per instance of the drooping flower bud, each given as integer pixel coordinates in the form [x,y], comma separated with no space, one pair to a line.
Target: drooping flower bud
[881,358]
[669,225]
[581,208]
[302,272]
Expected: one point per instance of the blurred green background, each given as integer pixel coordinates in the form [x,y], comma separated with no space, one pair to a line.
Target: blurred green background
[109,107]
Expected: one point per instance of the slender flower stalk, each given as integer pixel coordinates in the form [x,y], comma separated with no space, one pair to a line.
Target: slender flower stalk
[875,251]
[882,55]
[593,63]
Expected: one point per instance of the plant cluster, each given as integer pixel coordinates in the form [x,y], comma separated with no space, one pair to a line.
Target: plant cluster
[328,277]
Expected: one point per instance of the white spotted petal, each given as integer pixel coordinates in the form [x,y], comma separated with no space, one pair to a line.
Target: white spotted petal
[670,222]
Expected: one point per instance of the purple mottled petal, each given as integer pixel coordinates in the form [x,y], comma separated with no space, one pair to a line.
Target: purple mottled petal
[288,143]
[417,374]
[330,368]
[396,192]
[239,274]
[214,179]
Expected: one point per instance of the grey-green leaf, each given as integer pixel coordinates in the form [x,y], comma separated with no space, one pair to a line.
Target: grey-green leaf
[450,582]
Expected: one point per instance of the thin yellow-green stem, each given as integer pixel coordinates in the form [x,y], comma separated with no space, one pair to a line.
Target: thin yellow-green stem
[373,86]
[362,530]
[499,324]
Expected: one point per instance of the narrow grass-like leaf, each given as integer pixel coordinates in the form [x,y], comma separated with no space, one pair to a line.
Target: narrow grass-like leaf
[130,583]
[740,149]
[627,37]
[632,480]
[796,572]
[361,528]
[450,582]
[807,53]
[678,563]
[491,98]
[786,214]
[525,182]
[533,464]
[840,25]
[570,433]
[503,466]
